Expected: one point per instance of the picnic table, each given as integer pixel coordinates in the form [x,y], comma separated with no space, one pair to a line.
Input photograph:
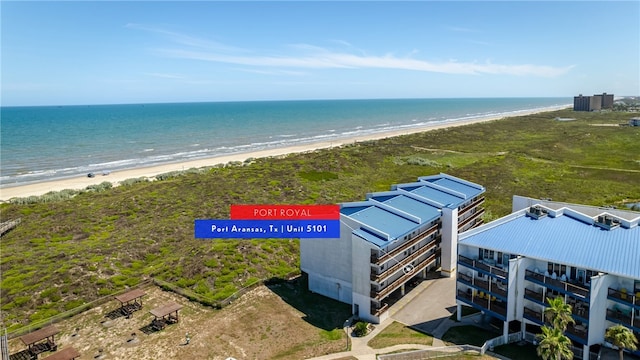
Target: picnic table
[65,354]
[165,314]
[41,340]
[130,301]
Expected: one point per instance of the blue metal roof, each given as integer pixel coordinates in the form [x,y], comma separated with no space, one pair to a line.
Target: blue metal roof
[457,185]
[439,196]
[384,221]
[424,211]
[562,239]
[395,213]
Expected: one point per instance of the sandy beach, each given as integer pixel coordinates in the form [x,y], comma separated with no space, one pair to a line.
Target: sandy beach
[115,177]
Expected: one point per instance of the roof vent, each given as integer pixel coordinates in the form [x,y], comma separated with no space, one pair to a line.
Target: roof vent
[536,212]
[607,222]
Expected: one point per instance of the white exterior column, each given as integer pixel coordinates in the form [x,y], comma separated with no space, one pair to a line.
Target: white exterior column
[505,331]
[459,312]
[449,244]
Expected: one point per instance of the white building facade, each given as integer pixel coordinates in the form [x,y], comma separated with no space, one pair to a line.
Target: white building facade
[589,256]
[389,240]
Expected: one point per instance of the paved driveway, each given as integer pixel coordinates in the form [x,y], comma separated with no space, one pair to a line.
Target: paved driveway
[431,307]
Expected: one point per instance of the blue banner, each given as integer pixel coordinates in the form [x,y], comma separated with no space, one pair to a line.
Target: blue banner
[251,229]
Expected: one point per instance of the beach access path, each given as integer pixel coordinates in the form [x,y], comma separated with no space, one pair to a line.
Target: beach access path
[115,177]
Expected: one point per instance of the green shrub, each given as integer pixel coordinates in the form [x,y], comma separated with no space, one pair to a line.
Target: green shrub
[361,328]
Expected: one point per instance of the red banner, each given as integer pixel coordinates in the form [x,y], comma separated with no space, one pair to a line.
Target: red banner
[285,212]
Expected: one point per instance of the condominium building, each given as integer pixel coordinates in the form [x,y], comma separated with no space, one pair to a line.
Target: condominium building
[389,240]
[587,255]
[593,103]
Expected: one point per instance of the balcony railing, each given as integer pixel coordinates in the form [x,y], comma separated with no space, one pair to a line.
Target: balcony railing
[464,295]
[378,295]
[402,263]
[484,284]
[535,295]
[533,315]
[623,296]
[477,214]
[465,278]
[483,302]
[578,331]
[478,202]
[559,284]
[478,264]
[496,307]
[375,311]
[378,260]
[496,289]
[619,317]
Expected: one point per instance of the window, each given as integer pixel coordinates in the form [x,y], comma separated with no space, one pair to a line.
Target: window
[486,254]
[556,268]
[499,257]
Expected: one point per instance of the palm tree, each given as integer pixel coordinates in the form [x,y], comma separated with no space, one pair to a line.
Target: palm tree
[558,313]
[554,345]
[621,337]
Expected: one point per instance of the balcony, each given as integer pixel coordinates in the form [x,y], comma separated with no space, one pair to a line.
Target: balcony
[377,311]
[379,260]
[381,294]
[535,316]
[496,288]
[557,284]
[483,284]
[463,223]
[534,295]
[617,316]
[480,264]
[474,204]
[483,301]
[623,297]
[498,308]
[577,332]
[479,283]
[580,309]
[402,263]
[464,278]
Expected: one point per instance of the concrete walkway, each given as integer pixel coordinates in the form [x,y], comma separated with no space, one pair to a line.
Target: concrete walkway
[362,351]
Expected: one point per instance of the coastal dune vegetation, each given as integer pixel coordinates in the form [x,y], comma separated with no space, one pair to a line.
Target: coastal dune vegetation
[73,249]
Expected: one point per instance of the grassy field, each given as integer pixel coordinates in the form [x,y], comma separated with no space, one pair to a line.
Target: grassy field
[396,334]
[70,252]
[468,335]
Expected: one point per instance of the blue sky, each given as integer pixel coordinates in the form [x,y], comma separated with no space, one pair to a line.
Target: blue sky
[59,53]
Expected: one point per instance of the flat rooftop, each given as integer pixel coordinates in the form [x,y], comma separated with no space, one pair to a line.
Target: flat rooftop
[564,237]
[387,216]
[375,217]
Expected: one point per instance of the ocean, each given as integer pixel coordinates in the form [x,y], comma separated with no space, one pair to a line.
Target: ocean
[43,143]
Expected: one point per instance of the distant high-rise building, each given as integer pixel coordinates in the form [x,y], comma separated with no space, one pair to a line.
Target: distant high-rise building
[607,100]
[592,103]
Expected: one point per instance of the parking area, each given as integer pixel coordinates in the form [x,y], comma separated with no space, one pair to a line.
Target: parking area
[428,309]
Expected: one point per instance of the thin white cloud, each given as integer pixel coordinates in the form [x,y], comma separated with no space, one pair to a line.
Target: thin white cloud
[306,56]
[335,60]
[186,40]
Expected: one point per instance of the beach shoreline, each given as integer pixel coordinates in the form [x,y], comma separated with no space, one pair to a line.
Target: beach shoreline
[149,172]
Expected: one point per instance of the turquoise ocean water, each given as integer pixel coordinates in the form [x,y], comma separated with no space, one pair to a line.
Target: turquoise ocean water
[52,142]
